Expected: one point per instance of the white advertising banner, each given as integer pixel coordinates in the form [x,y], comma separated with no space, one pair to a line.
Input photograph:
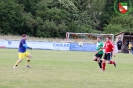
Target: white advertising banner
[33,44]
[61,46]
[12,44]
[3,43]
[40,45]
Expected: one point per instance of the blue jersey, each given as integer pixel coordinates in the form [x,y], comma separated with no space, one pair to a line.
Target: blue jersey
[21,47]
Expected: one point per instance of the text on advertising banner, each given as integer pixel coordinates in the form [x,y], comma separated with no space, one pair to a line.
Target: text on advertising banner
[61,46]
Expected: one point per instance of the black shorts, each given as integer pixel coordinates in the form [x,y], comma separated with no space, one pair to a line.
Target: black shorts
[119,47]
[99,55]
[107,56]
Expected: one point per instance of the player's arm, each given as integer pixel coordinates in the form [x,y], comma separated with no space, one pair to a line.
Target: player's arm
[27,47]
[113,47]
[102,47]
[114,51]
[99,51]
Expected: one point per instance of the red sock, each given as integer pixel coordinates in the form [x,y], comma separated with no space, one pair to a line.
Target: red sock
[103,66]
[111,62]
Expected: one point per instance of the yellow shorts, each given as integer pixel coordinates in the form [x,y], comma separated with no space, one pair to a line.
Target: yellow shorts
[23,55]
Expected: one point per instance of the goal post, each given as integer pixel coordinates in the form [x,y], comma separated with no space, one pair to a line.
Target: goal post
[86,37]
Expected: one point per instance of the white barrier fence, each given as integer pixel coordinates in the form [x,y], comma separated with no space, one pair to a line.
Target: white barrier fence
[35,45]
[49,45]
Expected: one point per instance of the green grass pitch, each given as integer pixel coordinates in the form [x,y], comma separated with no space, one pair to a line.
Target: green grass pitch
[64,69]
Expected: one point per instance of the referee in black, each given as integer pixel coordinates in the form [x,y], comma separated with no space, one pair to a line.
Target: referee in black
[119,45]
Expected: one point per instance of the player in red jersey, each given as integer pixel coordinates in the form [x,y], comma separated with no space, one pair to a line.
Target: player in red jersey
[109,47]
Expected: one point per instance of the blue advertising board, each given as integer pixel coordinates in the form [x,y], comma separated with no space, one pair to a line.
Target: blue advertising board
[85,47]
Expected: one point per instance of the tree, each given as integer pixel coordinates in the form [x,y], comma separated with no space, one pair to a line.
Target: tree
[29,5]
[11,21]
[120,23]
[53,18]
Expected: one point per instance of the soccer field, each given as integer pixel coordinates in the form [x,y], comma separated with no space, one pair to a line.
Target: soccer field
[64,69]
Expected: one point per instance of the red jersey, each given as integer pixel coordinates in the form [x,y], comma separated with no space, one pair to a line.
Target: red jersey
[108,46]
[113,45]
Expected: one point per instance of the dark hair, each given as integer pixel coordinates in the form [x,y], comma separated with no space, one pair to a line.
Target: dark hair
[109,37]
[99,37]
[24,35]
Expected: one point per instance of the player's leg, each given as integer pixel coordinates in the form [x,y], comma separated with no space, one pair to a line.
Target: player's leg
[104,61]
[21,55]
[100,61]
[119,49]
[16,64]
[109,59]
[129,51]
[110,55]
[28,55]
[95,57]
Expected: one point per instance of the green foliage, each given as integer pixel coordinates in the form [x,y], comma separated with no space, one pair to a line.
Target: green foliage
[53,18]
[120,23]
[10,17]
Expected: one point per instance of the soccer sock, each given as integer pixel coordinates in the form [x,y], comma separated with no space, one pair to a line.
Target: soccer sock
[103,65]
[101,61]
[111,62]
[27,61]
[16,64]
[100,64]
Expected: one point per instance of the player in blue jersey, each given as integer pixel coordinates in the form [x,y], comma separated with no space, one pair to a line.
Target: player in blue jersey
[22,53]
